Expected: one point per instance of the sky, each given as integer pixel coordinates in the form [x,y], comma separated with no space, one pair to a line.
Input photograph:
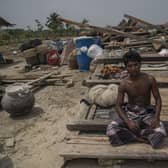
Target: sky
[98,12]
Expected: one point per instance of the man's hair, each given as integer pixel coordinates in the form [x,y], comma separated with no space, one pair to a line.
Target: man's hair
[131,56]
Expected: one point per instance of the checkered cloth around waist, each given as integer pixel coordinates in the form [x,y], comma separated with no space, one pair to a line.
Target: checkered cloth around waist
[135,111]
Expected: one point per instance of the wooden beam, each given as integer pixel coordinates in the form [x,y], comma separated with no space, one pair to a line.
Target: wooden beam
[132,44]
[90,82]
[150,25]
[88,125]
[138,20]
[92,112]
[138,151]
[93,125]
[99,29]
[117,59]
[42,78]
[33,77]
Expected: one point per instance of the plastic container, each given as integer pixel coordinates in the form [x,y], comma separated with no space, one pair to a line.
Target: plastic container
[83,59]
[53,58]
[87,41]
[83,62]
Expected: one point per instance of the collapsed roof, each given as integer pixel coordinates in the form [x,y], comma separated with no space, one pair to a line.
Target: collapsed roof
[3,22]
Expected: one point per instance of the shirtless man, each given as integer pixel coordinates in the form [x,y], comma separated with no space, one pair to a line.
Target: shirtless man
[139,120]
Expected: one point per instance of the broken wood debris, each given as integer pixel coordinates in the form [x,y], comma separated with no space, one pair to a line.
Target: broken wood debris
[132,32]
[37,81]
[99,29]
[99,148]
[10,142]
[98,125]
[91,82]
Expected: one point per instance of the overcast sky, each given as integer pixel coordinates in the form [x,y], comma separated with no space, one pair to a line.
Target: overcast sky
[98,12]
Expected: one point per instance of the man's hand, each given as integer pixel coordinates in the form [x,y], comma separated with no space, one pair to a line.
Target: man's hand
[155,122]
[133,126]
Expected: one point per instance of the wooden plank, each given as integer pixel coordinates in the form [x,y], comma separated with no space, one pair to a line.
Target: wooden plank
[42,78]
[90,82]
[117,59]
[91,140]
[163,67]
[139,20]
[106,151]
[88,125]
[99,29]
[84,108]
[102,115]
[92,111]
[93,125]
[131,44]
[105,113]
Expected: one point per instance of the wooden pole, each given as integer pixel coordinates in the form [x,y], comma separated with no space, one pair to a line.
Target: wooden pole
[138,20]
[100,29]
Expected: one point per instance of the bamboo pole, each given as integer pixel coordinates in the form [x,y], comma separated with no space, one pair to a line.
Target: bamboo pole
[139,20]
[100,29]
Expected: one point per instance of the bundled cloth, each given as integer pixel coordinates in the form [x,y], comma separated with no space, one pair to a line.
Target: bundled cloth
[103,95]
[119,133]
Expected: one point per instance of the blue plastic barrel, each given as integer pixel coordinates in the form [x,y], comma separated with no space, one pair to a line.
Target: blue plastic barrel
[83,62]
[82,59]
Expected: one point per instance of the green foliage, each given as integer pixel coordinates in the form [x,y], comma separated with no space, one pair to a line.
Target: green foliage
[56,28]
[54,24]
[39,25]
[4,36]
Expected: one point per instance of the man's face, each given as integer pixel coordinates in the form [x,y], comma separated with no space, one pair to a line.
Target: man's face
[133,68]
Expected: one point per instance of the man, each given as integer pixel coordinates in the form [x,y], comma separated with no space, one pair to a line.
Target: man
[138,119]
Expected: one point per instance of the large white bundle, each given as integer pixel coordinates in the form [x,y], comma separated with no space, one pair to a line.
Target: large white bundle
[94,51]
[104,95]
[96,91]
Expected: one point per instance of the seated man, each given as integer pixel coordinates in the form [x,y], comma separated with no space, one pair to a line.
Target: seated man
[139,120]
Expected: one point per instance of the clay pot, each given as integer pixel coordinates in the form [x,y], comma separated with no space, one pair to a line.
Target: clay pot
[18,100]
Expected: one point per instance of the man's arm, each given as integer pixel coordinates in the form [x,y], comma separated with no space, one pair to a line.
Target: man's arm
[120,101]
[158,102]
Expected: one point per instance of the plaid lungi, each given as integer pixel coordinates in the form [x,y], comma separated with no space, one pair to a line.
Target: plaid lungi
[119,133]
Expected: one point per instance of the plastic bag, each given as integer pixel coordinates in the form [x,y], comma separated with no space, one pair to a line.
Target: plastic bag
[84,49]
[163,52]
[94,51]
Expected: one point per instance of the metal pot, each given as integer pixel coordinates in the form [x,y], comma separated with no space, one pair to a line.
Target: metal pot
[18,99]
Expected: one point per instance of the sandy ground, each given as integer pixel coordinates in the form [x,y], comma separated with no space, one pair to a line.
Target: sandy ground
[39,137]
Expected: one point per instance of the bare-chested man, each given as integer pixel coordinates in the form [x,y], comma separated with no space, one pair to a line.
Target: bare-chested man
[139,120]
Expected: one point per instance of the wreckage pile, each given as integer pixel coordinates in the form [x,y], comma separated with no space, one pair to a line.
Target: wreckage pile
[149,39]
[131,32]
[97,109]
